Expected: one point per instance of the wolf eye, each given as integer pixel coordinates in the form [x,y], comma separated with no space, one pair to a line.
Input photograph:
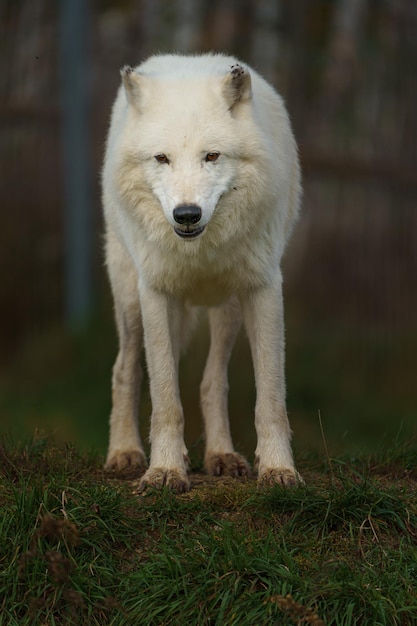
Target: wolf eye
[212,156]
[162,158]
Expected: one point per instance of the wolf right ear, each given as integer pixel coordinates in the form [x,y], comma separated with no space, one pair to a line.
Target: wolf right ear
[132,83]
[237,86]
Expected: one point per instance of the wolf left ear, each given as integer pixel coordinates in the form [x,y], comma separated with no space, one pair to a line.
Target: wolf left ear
[132,83]
[236,86]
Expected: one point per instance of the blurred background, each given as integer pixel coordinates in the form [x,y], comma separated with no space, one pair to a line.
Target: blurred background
[347,70]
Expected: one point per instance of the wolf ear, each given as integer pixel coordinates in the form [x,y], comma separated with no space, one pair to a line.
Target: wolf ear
[236,86]
[132,83]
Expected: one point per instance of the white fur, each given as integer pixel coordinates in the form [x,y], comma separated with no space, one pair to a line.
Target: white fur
[186,107]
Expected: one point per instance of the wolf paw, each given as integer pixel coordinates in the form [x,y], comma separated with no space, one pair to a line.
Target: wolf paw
[122,460]
[284,476]
[230,464]
[158,478]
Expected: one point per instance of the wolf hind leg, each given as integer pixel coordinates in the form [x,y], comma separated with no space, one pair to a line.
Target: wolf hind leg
[220,456]
[125,447]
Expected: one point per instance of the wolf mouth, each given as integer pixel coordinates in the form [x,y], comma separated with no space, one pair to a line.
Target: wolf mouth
[189,233]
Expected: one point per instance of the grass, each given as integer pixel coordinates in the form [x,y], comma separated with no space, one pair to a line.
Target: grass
[77,547]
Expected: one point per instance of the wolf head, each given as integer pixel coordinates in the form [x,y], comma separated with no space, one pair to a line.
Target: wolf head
[189,134]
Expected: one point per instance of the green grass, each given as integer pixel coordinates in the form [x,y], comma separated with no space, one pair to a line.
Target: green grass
[77,547]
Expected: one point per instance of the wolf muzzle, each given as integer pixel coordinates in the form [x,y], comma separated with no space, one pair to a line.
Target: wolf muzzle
[188,215]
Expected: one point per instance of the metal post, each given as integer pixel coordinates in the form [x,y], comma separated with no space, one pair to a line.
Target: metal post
[75,108]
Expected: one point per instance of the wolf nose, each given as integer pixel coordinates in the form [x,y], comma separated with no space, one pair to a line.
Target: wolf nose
[187,214]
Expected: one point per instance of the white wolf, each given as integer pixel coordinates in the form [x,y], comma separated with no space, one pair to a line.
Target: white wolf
[201,188]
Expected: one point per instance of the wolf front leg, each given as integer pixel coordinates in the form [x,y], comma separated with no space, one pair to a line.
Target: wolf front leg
[264,320]
[220,457]
[162,317]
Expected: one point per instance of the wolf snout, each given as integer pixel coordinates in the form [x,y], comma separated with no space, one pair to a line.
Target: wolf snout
[187,214]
